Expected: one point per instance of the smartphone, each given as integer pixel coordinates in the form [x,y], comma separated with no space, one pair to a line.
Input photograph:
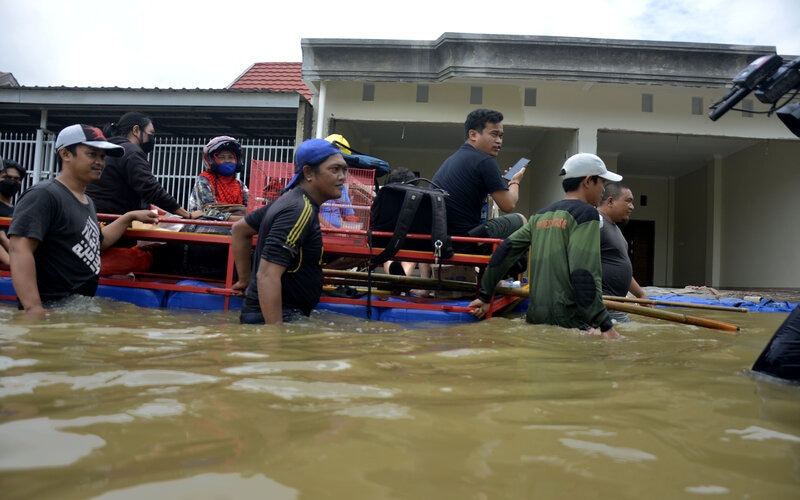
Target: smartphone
[523,162]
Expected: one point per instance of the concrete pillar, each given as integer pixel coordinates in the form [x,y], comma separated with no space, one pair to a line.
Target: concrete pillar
[713,257]
[587,140]
[38,155]
[323,95]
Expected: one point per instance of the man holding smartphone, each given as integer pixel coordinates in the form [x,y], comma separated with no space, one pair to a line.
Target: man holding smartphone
[472,173]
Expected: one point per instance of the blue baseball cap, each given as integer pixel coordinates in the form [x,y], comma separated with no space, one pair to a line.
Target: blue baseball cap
[311,152]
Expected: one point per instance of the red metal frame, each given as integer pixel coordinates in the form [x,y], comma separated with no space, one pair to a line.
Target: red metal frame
[336,242]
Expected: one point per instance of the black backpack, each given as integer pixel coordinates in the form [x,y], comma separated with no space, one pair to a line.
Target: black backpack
[404,207]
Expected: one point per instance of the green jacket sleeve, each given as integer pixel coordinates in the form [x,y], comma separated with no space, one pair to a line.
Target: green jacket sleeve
[504,257]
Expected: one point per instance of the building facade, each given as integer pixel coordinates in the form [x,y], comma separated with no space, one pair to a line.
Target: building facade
[714,199]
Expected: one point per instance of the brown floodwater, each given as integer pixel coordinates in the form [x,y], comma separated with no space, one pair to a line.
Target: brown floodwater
[110,401]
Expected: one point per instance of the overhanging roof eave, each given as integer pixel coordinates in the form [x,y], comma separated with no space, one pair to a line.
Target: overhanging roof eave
[73,96]
[462,57]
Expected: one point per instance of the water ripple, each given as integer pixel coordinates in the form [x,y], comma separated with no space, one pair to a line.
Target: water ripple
[289,389]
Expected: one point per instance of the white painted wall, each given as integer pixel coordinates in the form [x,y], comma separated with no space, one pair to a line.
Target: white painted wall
[760,229]
[692,224]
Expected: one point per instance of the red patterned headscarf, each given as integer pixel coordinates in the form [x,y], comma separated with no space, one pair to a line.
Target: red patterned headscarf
[225,189]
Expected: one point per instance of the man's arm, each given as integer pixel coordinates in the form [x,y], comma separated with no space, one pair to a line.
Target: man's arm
[114,231]
[4,245]
[506,254]
[242,240]
[507,199]
[140,178]
[23,274]
[269,291]
[637,290]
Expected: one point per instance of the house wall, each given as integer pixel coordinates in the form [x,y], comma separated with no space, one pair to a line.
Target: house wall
[760,229]
[691,229]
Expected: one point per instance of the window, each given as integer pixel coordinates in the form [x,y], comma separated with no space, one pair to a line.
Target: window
[368,92]
[422,93]
[530,97]
[697,106]
[476,95]
[647,103]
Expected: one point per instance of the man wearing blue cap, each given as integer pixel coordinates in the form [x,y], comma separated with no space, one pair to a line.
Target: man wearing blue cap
[284,279]
[55,237]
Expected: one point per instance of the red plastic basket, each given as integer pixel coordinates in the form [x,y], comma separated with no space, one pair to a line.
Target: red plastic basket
[269,178]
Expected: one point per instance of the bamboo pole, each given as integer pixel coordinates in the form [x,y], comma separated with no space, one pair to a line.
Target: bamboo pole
[676,304]
[410,281]
[360,278]
[670,316]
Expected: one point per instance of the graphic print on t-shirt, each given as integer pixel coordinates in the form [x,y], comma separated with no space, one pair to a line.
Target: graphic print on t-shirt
[88,249]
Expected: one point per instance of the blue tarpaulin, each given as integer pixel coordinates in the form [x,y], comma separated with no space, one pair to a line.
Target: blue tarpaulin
[765,305]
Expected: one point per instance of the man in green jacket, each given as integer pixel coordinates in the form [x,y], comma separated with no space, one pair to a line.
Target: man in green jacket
[564,238]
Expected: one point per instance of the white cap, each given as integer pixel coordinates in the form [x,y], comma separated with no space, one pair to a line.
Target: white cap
[583,164]
[91,136]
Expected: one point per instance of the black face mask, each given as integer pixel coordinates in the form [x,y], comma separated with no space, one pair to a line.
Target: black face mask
[9,187]
[148,146]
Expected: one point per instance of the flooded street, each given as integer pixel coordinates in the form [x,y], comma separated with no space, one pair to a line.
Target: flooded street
[107,400]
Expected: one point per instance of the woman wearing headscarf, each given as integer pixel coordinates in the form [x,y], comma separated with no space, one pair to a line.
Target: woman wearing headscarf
[217,193]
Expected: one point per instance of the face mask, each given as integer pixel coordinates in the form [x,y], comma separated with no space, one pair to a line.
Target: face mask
[148,146]
[226,169]
[9,187]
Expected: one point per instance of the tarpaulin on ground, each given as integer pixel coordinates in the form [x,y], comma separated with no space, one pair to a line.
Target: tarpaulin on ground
[764,305]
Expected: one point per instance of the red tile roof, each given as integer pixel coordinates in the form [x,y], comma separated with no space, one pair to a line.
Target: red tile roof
[275,76]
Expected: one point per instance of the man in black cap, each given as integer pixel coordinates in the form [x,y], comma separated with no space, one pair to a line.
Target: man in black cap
[55,237]
[284,279]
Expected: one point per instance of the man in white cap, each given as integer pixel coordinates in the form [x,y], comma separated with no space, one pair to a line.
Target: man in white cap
[284,280]
[55,237]
[564,238]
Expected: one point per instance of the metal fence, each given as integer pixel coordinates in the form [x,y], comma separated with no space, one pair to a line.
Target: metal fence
[176,161]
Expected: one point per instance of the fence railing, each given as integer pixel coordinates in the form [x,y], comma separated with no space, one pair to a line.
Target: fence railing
[176,161]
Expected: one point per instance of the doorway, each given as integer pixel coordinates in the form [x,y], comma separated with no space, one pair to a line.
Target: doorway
[641,237]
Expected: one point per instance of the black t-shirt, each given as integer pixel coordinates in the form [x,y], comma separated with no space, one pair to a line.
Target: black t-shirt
[128,183]
[5,210]
[68,255]
[289,235]
[468,176]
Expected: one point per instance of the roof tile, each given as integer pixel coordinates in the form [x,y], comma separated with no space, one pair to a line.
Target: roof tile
[275,76]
